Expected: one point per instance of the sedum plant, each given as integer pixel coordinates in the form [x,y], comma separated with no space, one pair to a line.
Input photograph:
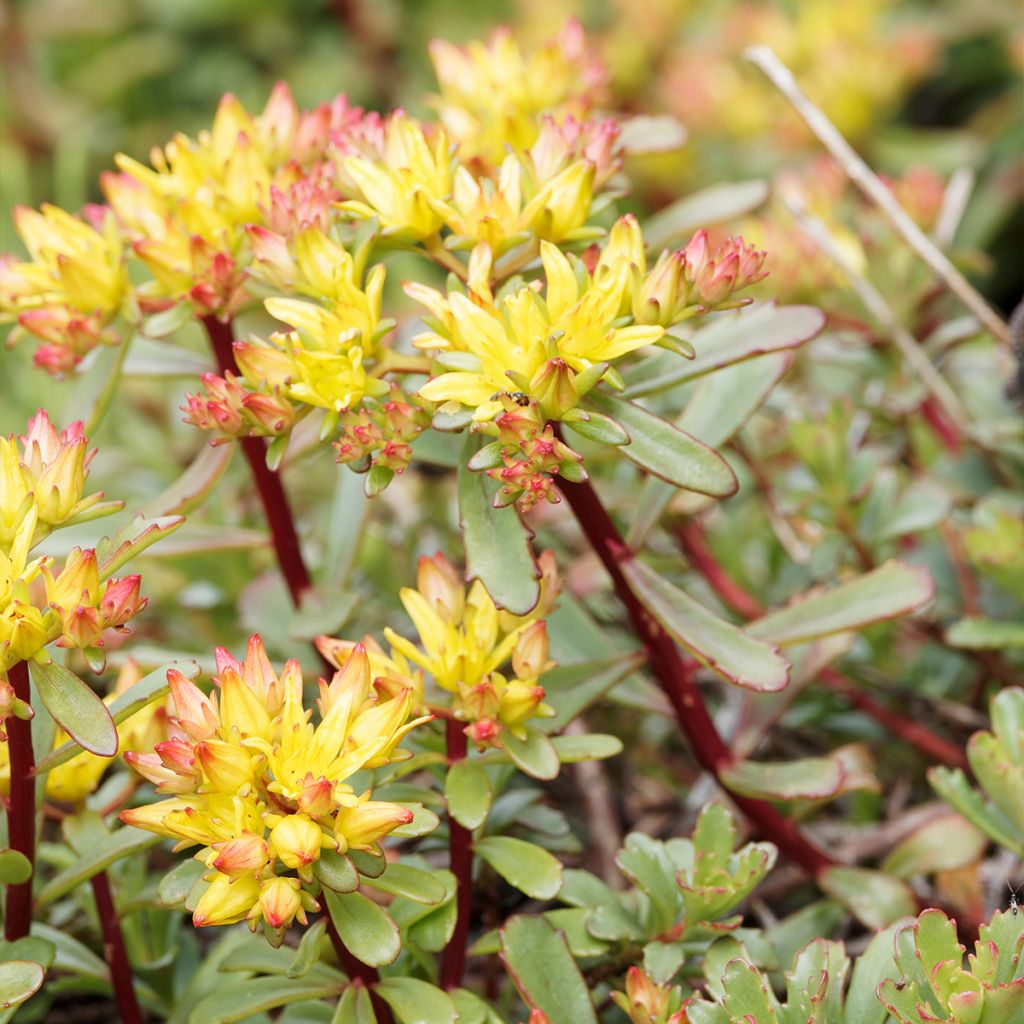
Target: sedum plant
[392,842]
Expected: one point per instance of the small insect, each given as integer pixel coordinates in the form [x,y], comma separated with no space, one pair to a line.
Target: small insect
[519,397]
[1014,905]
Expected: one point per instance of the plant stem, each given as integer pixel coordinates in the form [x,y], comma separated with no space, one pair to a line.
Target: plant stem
[113,950]
[21,808]
[695,546]
[678,680]
[460,846]
[359,973]
[268,483]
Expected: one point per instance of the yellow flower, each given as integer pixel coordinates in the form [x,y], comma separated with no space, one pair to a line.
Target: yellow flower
[260,789]
[510,343]
[463,640]
[401,185]
[71,288]
[492,93]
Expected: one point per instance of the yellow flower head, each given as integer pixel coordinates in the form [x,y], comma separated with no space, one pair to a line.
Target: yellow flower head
[493,93]
[401,183]
[71,288]
[491,348]
[463,641]
[261,789]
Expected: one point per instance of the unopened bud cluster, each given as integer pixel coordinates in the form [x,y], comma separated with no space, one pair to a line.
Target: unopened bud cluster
[42,488]
[262,791]
[645,1002]
[465,646]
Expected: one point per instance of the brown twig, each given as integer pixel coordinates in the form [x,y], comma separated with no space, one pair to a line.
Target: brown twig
[114,951]
[460,847]
[874,188]
[678,680]
[21,807]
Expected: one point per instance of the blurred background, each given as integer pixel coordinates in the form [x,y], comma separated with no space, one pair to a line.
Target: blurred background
[910,82]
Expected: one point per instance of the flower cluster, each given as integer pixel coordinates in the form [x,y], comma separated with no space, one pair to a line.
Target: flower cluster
[42,488]
[464,642]
[493,95]
[297,210]
[71,290]
[261,790]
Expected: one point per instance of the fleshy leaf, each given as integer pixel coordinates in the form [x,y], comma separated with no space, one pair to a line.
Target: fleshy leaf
[75,706]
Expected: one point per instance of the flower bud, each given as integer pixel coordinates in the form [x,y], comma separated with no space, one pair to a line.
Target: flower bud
[21,631]
[643,1002]
[78,583]
[553,386]
[530,657]
[121,602]
[280,902]
[368,822]
[439,583]
[82,627]
[194,713]
[296,841]
[11,706]
[519,702]
[246,854]
[316,797]
[228,768]
[226,901]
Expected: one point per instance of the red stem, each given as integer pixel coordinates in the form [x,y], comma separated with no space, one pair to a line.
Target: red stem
[679,682]
[944,428]
[113,950]
[21,807]
[359,973]
[694,544]
[460,845]
[268,483]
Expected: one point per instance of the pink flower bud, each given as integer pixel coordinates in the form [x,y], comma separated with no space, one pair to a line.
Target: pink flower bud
[246,854]
[121,602]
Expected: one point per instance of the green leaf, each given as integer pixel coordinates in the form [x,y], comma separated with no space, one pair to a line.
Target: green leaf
[167,321]
[721,202]
[571,689]
[527,867]
[335,871]
[122,843]
[19,979]
[874,966]
[424,821]
[151,687]
[497,543]
[412,883]
[15,867]
[979,634]
[592,746]
[809,778]
[544,972]
[536,755]
[71,955]
[242,998]
[132,539]
[308,953]
[75,706]
[723,647]
[323,611]
[943,844]
[729,338]
[417,1002]
[177,883]
[30,947]
[354,1007]
[194,485]
[720,404]
[365,928]
[891,590]
[149,358]
[661,448]
[599,428]
[468,792]
[748,996]
[874,898]
[952,785]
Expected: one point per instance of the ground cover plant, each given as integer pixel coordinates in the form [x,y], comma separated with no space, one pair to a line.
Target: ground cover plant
[495,596]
